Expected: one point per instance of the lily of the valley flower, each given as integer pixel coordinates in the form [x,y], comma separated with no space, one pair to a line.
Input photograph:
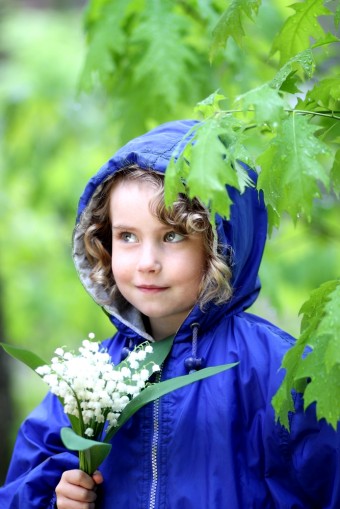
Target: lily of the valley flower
[92,388]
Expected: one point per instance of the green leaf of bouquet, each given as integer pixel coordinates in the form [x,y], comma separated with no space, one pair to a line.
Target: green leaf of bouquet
[75,421]
[292,167]
[155,391]
[31,360]
[160,351]
[295,34]
[96,452]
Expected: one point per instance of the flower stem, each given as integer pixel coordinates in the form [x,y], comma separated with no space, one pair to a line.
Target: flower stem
[82,461]
[84,464]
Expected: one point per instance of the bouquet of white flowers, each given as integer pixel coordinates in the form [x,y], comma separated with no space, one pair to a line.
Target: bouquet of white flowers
[98,396]
[92,388]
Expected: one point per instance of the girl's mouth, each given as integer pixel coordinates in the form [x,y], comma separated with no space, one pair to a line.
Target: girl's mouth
[151,288]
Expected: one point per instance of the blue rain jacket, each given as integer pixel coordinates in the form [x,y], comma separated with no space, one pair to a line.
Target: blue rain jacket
[213,444]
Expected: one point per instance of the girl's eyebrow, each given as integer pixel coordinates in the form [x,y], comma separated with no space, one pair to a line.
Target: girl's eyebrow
[122,227]
[125,227]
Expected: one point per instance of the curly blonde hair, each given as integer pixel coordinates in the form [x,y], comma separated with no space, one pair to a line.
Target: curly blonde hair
[186,216]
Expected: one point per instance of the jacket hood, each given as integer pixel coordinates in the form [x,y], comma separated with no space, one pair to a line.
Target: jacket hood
[243,235]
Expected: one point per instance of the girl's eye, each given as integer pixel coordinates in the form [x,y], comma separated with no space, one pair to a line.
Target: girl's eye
[128,237]
[173,237]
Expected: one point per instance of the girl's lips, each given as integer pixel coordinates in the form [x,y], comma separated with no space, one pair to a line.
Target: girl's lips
[151,288]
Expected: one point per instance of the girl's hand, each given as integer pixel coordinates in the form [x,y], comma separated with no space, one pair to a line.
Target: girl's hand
[76,490]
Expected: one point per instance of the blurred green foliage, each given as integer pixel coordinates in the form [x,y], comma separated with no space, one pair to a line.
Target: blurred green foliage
[54,136]
[52,141]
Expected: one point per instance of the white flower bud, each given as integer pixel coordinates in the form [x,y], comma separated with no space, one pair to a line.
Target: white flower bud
[144,374]
[125,371]
[141,354]
[134,364]
[89,432]
[43,370]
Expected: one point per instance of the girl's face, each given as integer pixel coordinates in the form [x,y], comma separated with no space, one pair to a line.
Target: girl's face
[156,269]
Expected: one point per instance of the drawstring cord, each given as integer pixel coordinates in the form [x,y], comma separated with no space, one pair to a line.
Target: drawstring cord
[127,350]
[194,363]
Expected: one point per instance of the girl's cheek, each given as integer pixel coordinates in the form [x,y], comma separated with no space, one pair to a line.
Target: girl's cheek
[122,266]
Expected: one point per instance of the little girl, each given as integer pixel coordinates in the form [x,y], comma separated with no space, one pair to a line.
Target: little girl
[159,272]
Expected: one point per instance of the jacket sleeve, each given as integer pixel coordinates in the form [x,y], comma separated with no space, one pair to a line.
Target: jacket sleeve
[39,459]
[302,464]
[315,456]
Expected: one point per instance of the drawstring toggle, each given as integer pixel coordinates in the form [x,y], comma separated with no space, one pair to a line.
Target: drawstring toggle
[194,363]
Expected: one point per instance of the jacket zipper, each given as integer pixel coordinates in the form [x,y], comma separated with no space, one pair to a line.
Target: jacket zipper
[154,449]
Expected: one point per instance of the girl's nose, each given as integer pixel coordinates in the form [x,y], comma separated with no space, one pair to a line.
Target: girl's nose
[149,260]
